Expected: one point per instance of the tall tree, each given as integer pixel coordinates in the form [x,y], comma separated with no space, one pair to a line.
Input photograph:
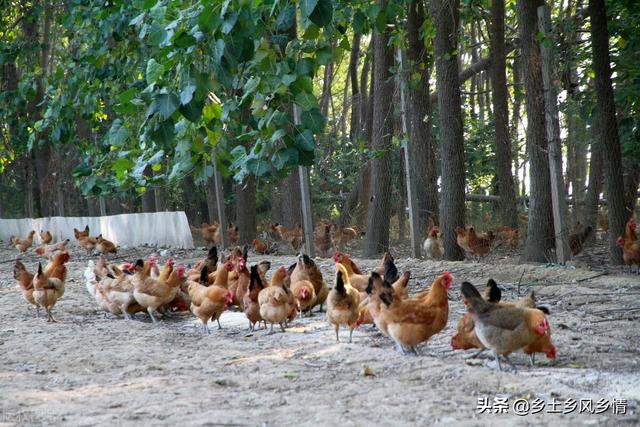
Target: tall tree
[452,209]
[608,126]
[379,212]
[501,116]
[246,210]
[421,152]
[540,232]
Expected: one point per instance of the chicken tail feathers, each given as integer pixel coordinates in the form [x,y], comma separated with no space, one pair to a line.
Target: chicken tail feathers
[474,298]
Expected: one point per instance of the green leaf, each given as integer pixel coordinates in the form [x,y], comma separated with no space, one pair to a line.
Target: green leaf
[323,13]
[277,135]
[167,104]
[209,18]
[305,141]
[127,95]
[163,134]
[312,32]
[187,94]
[307,7]
[312,120]
[192,111]
[118,134]
[154,71]
[359,21]
[257,167]
[282,158]
[286,17]
[324,55]
[212,111]
[305,67]
[287,79]
[229,22]
[306,101]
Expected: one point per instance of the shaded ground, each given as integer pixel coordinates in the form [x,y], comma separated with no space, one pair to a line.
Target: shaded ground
[94,369]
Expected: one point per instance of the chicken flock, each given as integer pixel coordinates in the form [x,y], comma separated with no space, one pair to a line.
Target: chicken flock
[379,298]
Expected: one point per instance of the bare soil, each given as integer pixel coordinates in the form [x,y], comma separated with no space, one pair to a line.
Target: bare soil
[95,369]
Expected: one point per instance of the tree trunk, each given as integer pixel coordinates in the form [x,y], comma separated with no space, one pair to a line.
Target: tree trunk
[148,197]
[474,80]
[516,116]
[246,210]
[452,205]
[210,191]
[378,215]
[631,180]
[326,89]
[421,152]
[540,233]
[356,119]
[506,190]
[608,126]
[590,214]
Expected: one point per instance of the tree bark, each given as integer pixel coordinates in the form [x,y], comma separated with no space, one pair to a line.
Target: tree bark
[378,215]
[452,206]
[421,151]
[540,233]
[148,197]
[608,126]
[590,213]
[356,119]
[506,190]
[516,117]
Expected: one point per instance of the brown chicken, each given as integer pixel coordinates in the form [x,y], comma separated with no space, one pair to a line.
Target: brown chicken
[358,281]
[432,245]
[294,237]
[302,289]
[56,268]
[342,303]
[250,300]
[45,237]
[48,251]
[47,291]
[209,232]
[276,301]
[88,243]
[410,322]
[234,233]
[387,268]
[79,234]
[211,262]
[25,282]
[209,302]
[241,285]
[578,238]
[153,293]
[23,244]
[104,246]
[630,251]
[503,328]
[343,235]
[508,236]
[260,246]
[479,245]
[322,238]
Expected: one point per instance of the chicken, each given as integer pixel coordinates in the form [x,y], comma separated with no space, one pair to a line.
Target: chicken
[342,303]
[56,268]
[465,337]
[401,285]
[113,292]
[294,237]
[25,282]
[260,246]
[630,230]
[462,238]
[89,243]
[492,292]
[276,301]
[630,251]
[104,246]
[153,293]
[209,302]
[80,234]
[250,300]
[234,233]
[45,237]
[432,245]
[263,267]
[503,328]
[23,244]
[303,290]
[241,285]
[479,245]
[211,262]
[343,235]
[47,291]
[410,322]
[322,238]
[48,251]
[358,281]
[387,268]
[578,238]
[508,235]
[209,232]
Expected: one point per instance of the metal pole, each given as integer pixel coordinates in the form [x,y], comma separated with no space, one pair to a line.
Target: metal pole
[559,206]
[305,198]
[410,184]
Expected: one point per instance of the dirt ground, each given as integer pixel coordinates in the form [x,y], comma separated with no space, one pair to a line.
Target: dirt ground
[95,369]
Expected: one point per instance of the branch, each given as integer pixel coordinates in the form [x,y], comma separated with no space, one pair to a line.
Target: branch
[482,65]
